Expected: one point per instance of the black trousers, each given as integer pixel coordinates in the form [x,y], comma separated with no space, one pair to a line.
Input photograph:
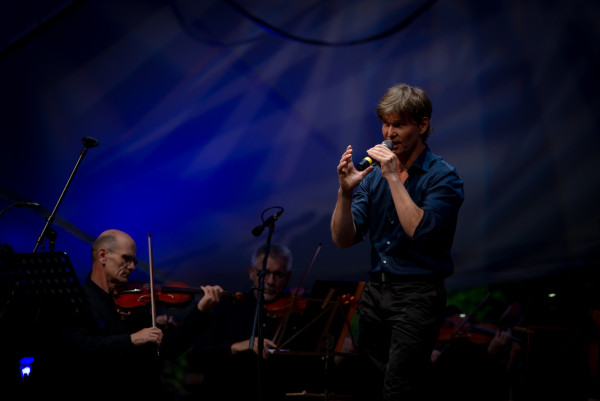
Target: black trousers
[399,323]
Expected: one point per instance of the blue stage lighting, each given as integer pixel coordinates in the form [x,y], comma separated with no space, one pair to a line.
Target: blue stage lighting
[25,366]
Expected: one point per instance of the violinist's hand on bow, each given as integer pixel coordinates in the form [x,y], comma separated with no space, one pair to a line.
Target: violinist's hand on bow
[148,335]
[242,346]
[348,175]
[211,297]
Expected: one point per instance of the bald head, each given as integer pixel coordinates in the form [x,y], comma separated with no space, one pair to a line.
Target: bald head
[113,259]
[110,239]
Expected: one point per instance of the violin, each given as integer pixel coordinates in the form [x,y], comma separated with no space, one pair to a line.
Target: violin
[455,328]
[174,295]
[293,304]
[286,305]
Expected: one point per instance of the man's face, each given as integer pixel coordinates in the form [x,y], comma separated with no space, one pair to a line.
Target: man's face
[404,132]
[120,262]
[276,279]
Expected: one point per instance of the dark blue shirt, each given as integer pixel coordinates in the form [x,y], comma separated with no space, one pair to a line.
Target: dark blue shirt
[435,187]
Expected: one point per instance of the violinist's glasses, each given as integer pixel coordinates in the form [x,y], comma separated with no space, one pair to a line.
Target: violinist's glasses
[127,258]
[277,275]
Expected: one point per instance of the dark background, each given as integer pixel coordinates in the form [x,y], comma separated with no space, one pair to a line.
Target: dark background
[209,112]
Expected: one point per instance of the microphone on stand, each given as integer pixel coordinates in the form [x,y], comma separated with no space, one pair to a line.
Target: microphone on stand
[367,161]
[87,142]
[30,204]
[256,231]
[20,204]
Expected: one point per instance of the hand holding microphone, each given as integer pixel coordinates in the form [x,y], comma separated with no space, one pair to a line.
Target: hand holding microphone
[367,161]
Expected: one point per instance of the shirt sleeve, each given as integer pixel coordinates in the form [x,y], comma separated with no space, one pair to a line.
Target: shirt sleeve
[441,203]
[360,201]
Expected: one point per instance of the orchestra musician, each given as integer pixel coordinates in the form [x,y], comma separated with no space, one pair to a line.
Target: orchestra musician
[223,353]
[107,356]
[476,361]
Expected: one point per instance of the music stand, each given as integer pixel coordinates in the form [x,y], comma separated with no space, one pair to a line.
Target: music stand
[329,312]
[326,322]
[38,292]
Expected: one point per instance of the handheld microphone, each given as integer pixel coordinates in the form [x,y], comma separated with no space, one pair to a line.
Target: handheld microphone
[367,161]
[256,231]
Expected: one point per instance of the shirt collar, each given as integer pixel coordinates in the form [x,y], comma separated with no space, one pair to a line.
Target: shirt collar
[423,161]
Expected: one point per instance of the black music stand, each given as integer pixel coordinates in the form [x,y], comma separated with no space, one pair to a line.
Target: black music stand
[327,317]
[324,326]
[38,293]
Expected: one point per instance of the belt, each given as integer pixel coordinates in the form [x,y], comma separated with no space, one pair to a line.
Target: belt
[382,277]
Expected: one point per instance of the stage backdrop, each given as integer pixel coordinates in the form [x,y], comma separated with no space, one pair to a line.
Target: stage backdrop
[209,112]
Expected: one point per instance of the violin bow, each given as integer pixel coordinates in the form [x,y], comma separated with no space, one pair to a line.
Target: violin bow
[465,320]
[312,260]
[152,299]
[295,293]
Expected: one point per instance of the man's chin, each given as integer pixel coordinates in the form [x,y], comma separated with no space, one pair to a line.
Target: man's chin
[270,296]
[122,281]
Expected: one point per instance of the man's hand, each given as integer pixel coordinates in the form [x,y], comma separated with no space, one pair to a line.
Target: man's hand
[242,346]
[211,297]
[146,336]
[501,339]
[348,175]
[385,159]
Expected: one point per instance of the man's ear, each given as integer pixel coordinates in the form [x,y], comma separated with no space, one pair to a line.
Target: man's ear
[102,255]
[424,125]
[250,271]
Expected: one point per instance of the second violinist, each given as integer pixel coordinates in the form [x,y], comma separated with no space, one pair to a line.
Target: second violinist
[484,359]
[223,355]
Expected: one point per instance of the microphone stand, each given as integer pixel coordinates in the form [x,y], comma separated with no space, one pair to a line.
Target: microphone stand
[256,327]
[50,233]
